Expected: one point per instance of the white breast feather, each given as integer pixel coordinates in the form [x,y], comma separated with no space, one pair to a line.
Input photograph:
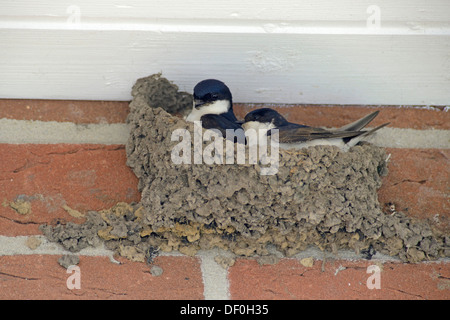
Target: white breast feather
[216,107]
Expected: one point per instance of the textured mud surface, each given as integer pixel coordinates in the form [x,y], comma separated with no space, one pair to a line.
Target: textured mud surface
[320,196]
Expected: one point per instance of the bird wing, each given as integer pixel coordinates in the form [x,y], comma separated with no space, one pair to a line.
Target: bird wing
[221,123]
[302,134]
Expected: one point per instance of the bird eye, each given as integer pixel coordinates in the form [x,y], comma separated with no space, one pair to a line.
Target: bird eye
[214,96]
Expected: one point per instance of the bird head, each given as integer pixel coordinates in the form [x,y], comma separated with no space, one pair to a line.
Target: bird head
[212,97]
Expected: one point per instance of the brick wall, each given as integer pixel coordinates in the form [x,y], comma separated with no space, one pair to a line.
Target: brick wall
[60,159]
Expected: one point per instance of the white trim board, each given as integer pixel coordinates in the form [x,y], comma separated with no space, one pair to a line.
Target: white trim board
[233,10]
[313,52]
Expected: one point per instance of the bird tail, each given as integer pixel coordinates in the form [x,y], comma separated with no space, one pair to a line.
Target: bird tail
[353,141]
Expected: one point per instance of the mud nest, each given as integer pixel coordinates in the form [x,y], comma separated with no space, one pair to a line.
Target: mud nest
[320,196]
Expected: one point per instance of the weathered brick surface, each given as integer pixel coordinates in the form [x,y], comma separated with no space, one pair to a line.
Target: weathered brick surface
[65,110]
[53,179]
[418,182]
[339,279]
[41,183]
[94,177]
[41,277]
[314,115]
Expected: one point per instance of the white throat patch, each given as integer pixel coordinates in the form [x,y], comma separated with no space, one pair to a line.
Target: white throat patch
[256,125]
[258,128]
[216,107]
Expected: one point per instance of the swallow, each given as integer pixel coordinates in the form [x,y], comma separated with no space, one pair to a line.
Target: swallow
[213,106]
[212,97]
[293,135]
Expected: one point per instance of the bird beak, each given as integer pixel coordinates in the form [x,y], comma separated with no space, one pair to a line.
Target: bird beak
[198,103]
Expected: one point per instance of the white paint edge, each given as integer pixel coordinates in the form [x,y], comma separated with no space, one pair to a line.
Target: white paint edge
[52,132]
[229,26]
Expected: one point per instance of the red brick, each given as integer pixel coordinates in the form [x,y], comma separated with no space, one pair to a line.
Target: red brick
[335,116]
[418,182]
[288,279]
[41,277]
[86,178]
[94,177]
[79,111]
[82,177]
[65,110]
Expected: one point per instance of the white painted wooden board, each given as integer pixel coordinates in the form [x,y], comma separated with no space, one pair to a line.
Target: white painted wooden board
[335,52]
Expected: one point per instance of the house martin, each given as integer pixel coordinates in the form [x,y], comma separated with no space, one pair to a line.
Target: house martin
[213,106]
[212,97]
[293,135]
